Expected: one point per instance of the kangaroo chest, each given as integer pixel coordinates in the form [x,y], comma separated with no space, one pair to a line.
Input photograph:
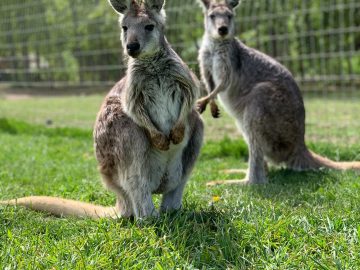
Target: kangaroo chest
[162,102]
[220,71]
[218,67]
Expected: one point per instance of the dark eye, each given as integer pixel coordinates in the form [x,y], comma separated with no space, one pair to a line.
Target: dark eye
[212,16]
[149,27]
[230,17]
[124,28]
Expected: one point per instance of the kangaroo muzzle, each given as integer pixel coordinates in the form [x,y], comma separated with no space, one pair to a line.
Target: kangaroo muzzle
[223,31]
[133,49]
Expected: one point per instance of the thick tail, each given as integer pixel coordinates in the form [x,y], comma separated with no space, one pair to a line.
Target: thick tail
[308,160]
[63,207]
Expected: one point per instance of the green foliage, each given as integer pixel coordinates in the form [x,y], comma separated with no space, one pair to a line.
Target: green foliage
[78,41]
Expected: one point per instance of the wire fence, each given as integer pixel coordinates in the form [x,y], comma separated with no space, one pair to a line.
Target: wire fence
[64,43]
[61,42]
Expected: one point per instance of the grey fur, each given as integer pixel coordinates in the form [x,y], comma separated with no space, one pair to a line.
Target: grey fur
[147,134]
[260,94]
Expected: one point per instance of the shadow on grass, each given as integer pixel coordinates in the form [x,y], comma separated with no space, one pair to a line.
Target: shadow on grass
[292,188]
[204,239]
[207,238]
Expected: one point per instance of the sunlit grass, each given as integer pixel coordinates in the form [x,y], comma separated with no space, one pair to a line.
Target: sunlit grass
[332,119]
[307,220]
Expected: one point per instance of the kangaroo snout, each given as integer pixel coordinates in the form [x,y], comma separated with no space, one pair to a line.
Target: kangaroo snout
[223,31]
[133,49]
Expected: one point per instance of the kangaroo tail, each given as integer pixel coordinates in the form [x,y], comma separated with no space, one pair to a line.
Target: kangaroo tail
[308,160]
[63,207]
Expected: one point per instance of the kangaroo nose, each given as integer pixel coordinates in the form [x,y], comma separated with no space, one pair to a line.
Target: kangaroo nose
[133,48]
[223,31]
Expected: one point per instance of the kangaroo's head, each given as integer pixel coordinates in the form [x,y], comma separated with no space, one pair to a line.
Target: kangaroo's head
[142,25]
[219,18]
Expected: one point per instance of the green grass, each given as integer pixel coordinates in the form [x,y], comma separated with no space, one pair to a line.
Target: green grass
[332,119]
[308,220]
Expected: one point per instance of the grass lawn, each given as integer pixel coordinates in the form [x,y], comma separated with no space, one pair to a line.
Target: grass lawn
[308,220]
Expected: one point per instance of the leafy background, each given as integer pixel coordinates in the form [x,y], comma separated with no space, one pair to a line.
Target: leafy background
[73,42]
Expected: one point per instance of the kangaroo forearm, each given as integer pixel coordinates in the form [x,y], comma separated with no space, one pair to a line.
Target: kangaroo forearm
[156,137]
[214,93]
[208,81]
[177,132]
[211,84]
[203,102]
[143,120]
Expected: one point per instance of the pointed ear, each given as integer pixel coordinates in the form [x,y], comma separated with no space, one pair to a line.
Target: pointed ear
[121,6]
[154,5]
[205,3]
[232,3]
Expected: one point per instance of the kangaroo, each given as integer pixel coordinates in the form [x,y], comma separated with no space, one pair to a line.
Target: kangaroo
[148,133]
[260,94]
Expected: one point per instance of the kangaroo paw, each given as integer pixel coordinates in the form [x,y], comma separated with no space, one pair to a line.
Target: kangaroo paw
[215,112]
[177,134]
[160,141]
[201,105]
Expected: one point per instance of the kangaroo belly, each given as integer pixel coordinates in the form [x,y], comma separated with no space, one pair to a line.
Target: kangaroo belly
[228,104]
[218,68]
[166,168]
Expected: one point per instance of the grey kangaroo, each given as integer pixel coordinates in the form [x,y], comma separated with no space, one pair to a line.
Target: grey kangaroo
[148,133]
[260,94]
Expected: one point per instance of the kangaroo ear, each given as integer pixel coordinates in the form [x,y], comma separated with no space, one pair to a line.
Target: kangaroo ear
[232,3]
[205,3]
[120,6]
[155,5]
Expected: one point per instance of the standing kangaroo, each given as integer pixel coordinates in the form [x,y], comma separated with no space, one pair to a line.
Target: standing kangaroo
[147,133]
[260,94]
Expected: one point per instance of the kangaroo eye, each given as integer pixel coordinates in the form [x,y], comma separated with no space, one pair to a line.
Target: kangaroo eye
[230,17]
[212,16]
[149,27]
[124,28]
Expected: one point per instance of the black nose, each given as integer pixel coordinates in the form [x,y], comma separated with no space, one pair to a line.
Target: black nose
[223,31]
[133,48]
